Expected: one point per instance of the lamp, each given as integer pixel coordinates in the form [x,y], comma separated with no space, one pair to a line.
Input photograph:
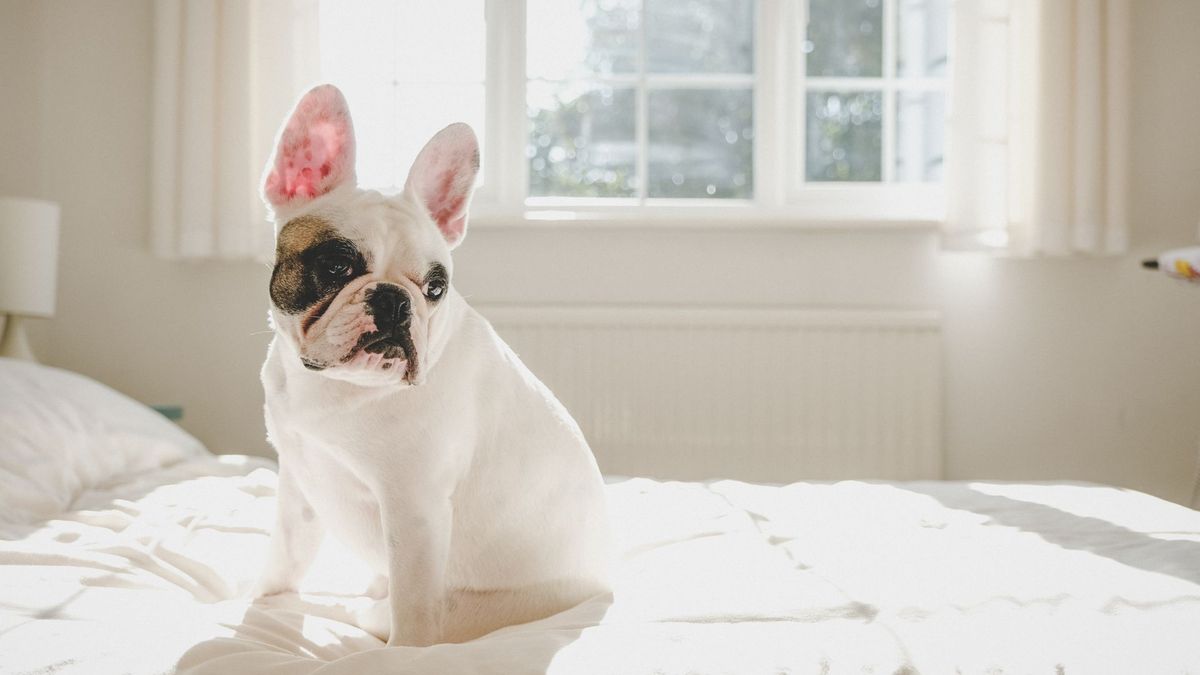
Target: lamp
[28,268]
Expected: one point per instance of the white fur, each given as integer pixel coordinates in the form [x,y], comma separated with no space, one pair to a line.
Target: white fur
[469,489]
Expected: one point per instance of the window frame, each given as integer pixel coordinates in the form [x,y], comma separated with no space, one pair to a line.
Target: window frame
[782,198]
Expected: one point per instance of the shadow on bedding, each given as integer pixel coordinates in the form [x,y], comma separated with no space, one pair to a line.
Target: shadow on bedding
[1177,558]
[307,633]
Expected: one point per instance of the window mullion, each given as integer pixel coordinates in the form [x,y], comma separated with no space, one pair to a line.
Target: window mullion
[798,91]
[642,127]
[889,92]
[771,129]
[846,83]
[505,164]
[700,81]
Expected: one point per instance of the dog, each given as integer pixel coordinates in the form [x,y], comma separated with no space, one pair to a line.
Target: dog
[405,427]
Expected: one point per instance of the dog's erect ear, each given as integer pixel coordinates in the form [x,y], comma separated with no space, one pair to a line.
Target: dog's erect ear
[314,152]
[443,176]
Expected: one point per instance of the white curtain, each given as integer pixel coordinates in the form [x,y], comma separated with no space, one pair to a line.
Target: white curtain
[226,73]
[1039,127]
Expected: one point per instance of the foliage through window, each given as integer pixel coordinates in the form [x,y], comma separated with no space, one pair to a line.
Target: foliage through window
[640,99]
[875,98]
[641,102]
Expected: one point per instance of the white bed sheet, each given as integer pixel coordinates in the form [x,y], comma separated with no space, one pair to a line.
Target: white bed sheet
[724,577]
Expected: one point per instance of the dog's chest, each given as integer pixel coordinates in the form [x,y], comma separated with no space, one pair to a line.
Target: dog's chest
[344,444]
[345,504]
[329,468]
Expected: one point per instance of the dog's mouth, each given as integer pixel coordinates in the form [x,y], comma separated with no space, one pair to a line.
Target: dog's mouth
[389,348]
[388,345]
[355,338]
[376,351]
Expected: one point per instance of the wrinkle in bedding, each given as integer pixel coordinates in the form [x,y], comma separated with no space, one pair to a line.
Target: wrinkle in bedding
[721,577]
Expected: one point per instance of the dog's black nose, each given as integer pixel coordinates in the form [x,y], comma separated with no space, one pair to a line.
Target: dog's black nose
[389,305]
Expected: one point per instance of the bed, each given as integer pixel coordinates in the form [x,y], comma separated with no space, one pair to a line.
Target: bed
[126,547]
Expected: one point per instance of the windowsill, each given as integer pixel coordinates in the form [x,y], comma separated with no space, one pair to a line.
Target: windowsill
[716,218]
[847,207]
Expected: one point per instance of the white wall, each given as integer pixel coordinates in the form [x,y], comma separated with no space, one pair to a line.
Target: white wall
[75,106]
[1091,369]
[1084,369]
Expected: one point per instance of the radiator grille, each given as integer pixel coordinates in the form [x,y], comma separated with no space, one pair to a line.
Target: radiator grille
[762,395]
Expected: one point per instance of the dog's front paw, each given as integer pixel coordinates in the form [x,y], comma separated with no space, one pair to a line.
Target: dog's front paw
[417,633]
[376,619]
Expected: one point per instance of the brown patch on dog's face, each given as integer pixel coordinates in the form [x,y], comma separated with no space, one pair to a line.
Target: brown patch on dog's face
[312,263]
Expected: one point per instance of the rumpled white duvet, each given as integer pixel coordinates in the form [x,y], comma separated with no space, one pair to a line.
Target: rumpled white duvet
[714,578]
[148,571]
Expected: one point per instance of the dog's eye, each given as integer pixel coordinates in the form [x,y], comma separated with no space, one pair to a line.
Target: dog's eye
[337,268]
[435,289]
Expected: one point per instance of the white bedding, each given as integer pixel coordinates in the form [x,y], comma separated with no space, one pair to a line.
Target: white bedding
[714,578]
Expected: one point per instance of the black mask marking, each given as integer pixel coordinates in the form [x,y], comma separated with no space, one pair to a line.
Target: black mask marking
[312,263]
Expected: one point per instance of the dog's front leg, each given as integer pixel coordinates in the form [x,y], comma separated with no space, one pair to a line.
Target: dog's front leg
[417,533]
[294,541]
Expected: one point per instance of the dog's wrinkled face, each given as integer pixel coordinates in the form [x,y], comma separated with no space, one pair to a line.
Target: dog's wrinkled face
[360,277]
[356,287]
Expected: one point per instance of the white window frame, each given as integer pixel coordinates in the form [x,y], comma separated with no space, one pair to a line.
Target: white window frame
[782,197]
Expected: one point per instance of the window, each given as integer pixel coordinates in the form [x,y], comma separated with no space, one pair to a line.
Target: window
[874,90]
[614,113]
[407,70]
[784,109]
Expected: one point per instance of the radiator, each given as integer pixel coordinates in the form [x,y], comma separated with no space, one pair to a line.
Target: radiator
[759,395]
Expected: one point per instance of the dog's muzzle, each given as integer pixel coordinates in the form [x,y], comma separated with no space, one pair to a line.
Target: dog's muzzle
[391,308]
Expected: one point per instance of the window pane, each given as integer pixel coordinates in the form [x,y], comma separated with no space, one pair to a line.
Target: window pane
[844,138]
[427,109]
[700,36]
[920,125]
[376,51]
[701,143]
[581,141]
[922,36]
[376,127]
[845,38]
[454,30]
[358,41]
[579,38]
[393,122]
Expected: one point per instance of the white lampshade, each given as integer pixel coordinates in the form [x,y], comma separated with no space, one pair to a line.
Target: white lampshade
[28,256]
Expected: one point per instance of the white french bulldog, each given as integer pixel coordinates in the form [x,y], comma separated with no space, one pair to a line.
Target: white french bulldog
[404,425]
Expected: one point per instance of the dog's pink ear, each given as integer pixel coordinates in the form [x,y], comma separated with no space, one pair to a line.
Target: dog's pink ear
[443,176]
[314,152]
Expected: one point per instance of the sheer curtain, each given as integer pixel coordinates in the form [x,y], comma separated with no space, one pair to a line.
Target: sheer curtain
[1039,127]
[226,72]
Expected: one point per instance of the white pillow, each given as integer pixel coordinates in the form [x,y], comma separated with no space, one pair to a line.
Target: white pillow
[62,433]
